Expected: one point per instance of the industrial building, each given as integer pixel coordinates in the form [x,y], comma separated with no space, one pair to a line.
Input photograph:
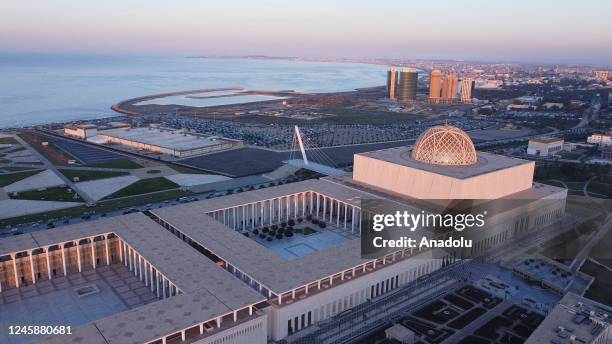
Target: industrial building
[225,272]
[81,131]
[173,142]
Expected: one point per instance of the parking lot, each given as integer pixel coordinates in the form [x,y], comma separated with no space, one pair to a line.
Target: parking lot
[85,154]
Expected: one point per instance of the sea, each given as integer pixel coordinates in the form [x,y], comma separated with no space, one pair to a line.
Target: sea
[40,89]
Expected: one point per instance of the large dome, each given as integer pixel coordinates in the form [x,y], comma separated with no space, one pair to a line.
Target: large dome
[445,145]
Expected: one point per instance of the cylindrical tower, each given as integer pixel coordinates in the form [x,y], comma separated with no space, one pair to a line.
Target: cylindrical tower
[407,87]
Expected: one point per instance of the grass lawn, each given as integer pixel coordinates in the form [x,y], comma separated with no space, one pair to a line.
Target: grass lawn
[85,175]
[123,163]
[16,168]
[6,179]
[145,186]
[600,289]
[59,194]
[100,208]
[8,141]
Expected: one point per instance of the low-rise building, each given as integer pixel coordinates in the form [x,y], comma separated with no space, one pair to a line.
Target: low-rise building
[600,139]
[545,146]
[81,131]
[575,319]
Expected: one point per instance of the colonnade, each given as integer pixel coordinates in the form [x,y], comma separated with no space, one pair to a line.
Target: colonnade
[290,207]
[21,268]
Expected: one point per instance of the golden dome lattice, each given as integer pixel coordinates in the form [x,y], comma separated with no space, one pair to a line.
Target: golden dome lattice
[445,145]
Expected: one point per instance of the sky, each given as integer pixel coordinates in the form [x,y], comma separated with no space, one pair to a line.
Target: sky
[561,31]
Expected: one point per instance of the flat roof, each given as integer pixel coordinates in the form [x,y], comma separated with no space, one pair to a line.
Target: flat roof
[487,162]
[208,290]
[546,140]
[574,318]
[263,264]
[175,140]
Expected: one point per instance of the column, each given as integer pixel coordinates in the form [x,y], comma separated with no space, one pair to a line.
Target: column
[234,217]
[244,224]
[304,204]
[164,284]
[93,253]
[338,214]
[253,215]
[48,263]
[324,207]
[140,267]
[345,214]
[288,200]
[157,283]
[353,219]
[318,202]
[78,256]
[146,278]
[14,256]
[202,328]
[32,267]
[151,276]
[120,250]
[107,250]
[64,260]
[126,254]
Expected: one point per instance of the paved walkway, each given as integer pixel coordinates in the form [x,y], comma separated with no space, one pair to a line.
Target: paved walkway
[20,207]
[100,188]
[44,179]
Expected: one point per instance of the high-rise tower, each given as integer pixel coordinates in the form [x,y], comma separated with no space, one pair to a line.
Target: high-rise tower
[449,88]
[435,86]
[467,87]
[407,87]
[392,80]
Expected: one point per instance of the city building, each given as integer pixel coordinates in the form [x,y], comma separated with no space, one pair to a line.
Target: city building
[467,88]
[392,81]
[402,85]
[435,86]
[602,75]
[575,319]
[544,147]
[81,131]
[449,88]
[281,258]
[407,87]
[600,140]
[606,153]
[173,142]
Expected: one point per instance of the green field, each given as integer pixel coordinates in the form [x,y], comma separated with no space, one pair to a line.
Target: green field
[6,179]
[8,141]
[145,186]
[85,175]
[123,164]
[59,194]
[100,208]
